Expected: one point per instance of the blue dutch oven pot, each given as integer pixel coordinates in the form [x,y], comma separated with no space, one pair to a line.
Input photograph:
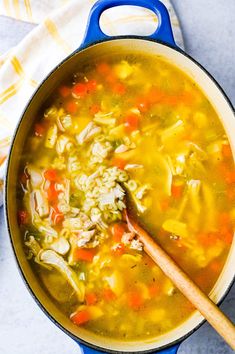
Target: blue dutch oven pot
[95,42]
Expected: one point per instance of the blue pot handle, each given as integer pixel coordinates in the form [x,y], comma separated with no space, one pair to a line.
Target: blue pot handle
[171,350]
[94,33]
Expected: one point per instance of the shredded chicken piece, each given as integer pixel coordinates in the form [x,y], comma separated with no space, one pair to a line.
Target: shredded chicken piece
[88,133]
[132,166]
[136,245]
[62,143]
[127,237]
[51,258]
[61,246]
[121,148]
[33,245]
[41,204]
[85,237]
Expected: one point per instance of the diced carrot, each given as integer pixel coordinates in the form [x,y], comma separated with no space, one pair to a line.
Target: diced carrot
[118,162]
[91,86]
[119,89]
[164,204]
[23,217]
[135,300]
[230,193]
[39,129]
[176,190]
[51,175]
[215,266]
[226,235]
[201,280]
[118,230]
[186,98]
[71,107]
[131,123]
[64,91]
[187,136]
[56,216]
[52,193]
[226,151]
[230,177]
[155,95]
[142,104]
[95,108]
[103,68]
[111,78]
[222,168]
[170,100]
[224,219]
[86,255]
[118,249]
[80,317]
[225,228]
[79,90]
[227,173]
[207,239]
[91,299]
[187,307]
[108,294]
[153,290]
[24,178]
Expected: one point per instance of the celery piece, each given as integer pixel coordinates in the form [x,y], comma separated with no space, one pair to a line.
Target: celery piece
[175,227]
[194,187]
[51,137]
[50,257]
[173,130]
[209,206]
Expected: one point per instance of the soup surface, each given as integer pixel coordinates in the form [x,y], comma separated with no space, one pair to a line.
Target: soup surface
[137,124]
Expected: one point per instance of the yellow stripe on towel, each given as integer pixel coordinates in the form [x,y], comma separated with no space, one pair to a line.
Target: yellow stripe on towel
[28,10]
[5,142]
[52,29]
[33,83]
[17,8]
[1,62]
[17,66]
[20,71]
[2,159]
[7,7]
[10,91]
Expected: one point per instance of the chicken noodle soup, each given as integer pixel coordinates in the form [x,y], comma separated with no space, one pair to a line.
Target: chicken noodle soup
[137,124]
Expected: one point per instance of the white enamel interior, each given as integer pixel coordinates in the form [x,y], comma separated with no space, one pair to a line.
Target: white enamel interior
[226,115]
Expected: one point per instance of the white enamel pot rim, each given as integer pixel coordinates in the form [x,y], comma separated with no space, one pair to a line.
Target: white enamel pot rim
[225,111]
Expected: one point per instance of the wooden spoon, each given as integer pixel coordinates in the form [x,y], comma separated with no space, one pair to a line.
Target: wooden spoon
[188,288]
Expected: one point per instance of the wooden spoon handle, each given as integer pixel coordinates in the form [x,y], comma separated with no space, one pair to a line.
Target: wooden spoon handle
[188,288]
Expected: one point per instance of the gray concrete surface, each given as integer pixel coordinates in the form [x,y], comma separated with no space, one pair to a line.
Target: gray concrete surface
[209,33]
